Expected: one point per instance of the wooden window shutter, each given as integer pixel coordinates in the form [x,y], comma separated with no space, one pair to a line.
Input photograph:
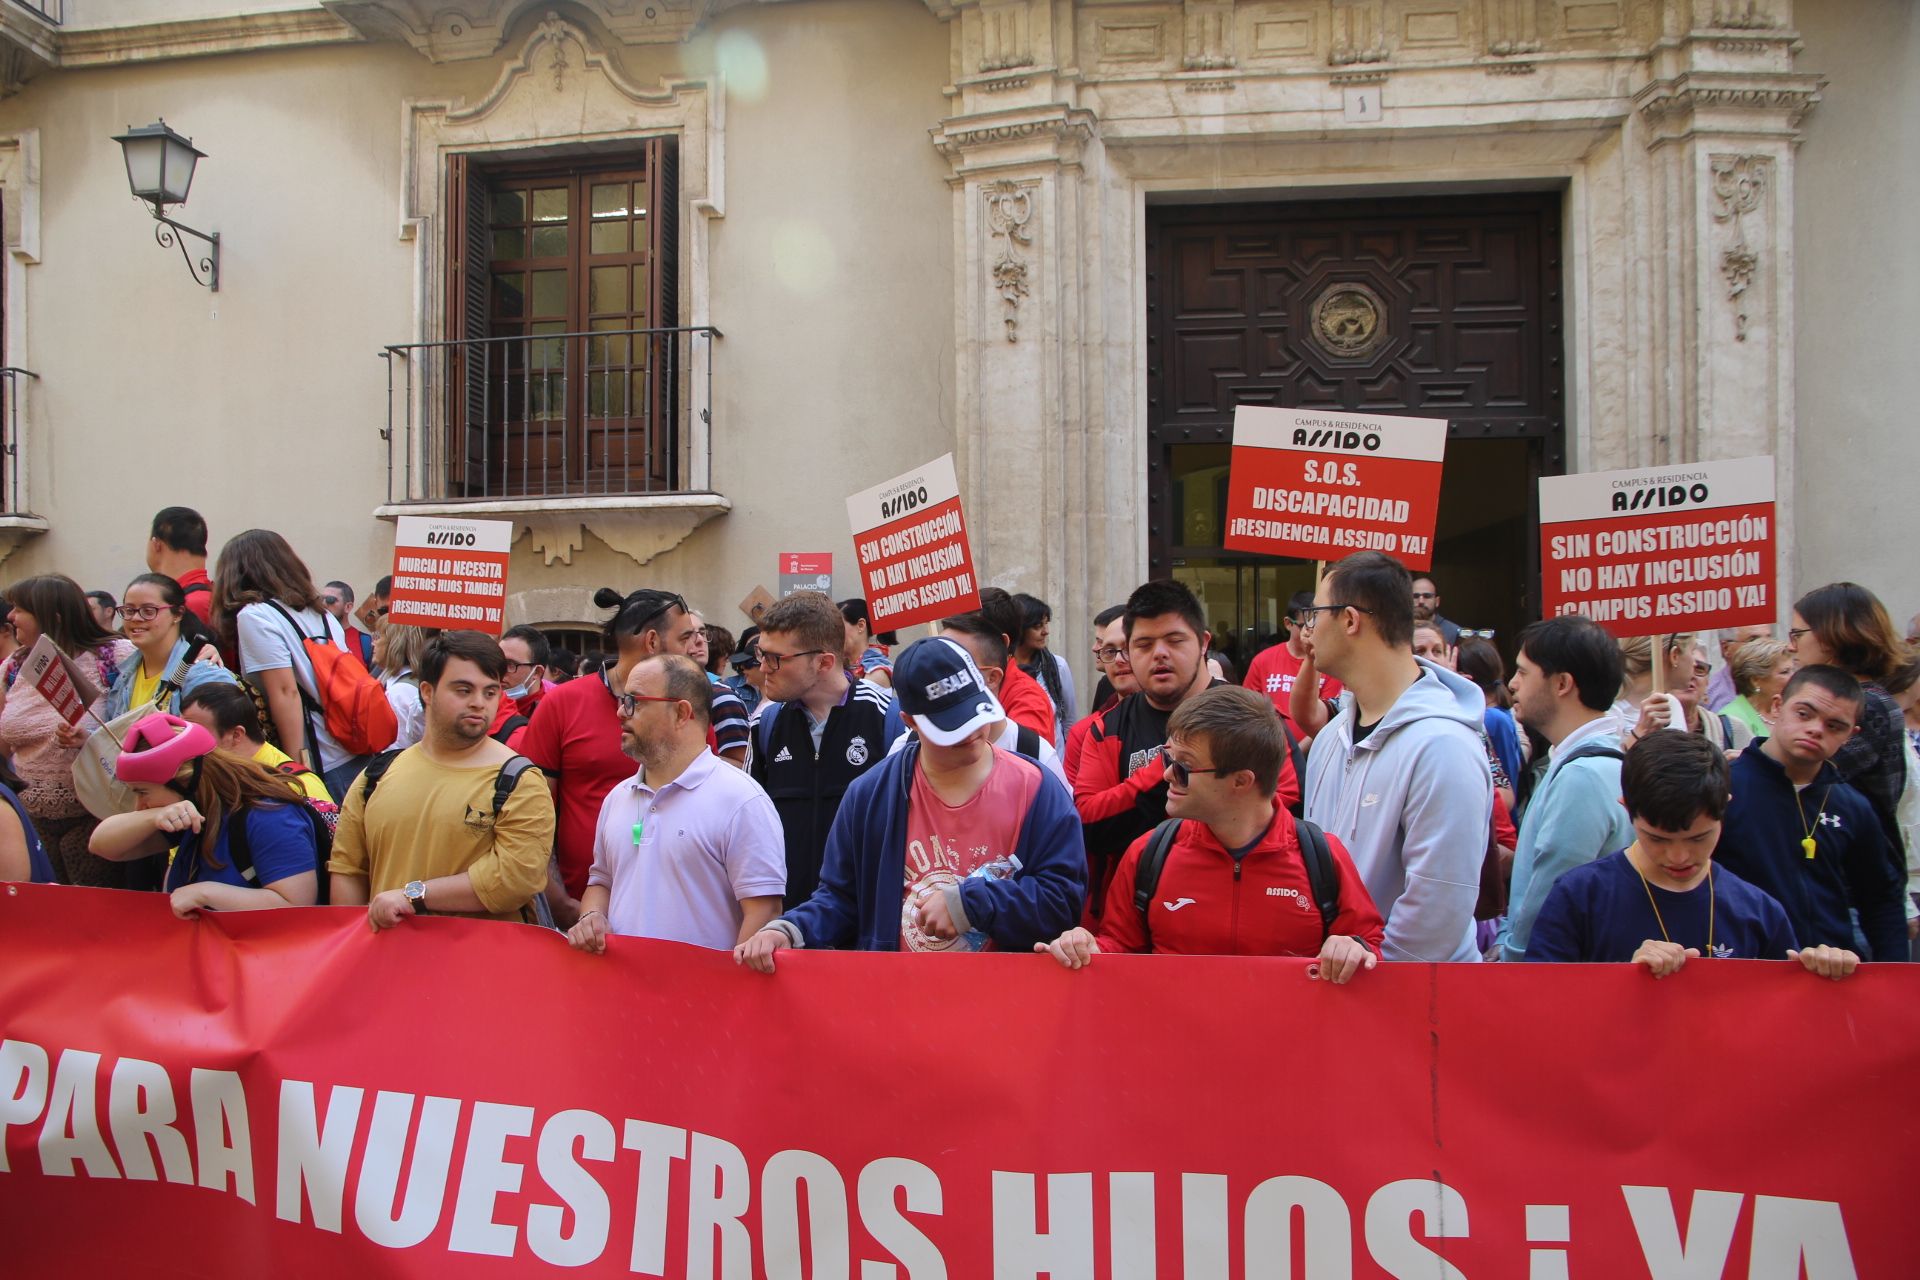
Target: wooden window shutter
[466,322]
[663,162]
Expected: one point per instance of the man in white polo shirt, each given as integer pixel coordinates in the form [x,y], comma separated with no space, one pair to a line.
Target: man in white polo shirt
[686,850]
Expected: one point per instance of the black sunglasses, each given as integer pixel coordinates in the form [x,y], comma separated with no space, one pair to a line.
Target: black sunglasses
[1180,775]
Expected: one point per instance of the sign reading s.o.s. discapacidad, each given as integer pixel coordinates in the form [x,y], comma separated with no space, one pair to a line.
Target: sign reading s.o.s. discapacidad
[1320,484]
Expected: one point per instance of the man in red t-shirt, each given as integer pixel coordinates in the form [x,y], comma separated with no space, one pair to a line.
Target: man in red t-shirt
[574,735]
[177,547]
[1235,880]
[1273,670]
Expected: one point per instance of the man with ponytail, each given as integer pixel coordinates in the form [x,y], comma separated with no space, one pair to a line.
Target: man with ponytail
[574,735]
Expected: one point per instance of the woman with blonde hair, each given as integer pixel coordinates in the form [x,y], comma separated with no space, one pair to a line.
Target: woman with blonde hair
[1635,711]
[397,647]
[1760,670]
[242,836]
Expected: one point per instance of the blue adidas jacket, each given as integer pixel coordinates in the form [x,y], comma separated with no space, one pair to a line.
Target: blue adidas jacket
[1760,843]
[864,871]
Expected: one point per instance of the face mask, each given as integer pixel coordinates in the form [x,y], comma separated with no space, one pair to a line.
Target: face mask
[522,690]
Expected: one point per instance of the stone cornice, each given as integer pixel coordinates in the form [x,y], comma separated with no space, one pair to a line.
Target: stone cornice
[1053,122]
[111,46]
[1694,91]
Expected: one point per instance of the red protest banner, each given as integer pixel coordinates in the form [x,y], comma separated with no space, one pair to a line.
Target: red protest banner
[911,541]
[450,574]
[1662,549]
[288,1085]
[1319,484]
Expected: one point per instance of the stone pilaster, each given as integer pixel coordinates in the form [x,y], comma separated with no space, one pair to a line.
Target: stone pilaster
[1716,126]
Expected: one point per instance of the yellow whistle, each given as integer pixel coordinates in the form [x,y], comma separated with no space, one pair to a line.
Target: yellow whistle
[1807,844]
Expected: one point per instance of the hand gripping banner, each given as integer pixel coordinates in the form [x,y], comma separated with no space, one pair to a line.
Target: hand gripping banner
[284,1093]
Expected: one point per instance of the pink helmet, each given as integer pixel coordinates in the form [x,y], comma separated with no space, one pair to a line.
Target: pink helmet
[157,747]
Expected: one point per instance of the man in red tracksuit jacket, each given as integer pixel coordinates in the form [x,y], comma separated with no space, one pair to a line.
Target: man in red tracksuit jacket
[1119,789]
[1235,881]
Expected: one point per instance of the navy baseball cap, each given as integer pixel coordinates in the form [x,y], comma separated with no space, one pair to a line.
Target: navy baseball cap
[943,691]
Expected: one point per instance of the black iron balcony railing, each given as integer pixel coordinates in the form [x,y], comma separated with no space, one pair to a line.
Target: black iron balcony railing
[613,413]
[10,379]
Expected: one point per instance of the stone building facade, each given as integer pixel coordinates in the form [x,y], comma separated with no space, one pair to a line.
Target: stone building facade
[1057,237]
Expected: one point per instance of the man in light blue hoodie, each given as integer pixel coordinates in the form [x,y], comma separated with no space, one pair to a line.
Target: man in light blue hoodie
[1564,682]
[1400,776]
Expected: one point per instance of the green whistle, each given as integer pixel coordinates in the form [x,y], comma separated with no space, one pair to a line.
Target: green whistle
[637,831]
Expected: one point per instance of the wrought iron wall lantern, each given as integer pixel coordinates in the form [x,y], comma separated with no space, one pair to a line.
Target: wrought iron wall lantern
[160,170]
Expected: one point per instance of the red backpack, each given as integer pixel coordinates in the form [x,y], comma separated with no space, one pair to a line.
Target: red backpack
[353,704]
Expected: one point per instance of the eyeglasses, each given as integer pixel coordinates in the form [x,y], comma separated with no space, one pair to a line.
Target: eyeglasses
[513,666]
[329,599]
[772,660]
[1312,613]
[1180,775]
[1794,634]
[1111,653]
[1426,595]
[1467,634]
[143,612]
[628,703]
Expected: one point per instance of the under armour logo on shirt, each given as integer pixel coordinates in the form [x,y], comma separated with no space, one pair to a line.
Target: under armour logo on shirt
[1828,820]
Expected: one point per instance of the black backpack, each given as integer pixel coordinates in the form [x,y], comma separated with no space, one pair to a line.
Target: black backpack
[1026,742]
[1314,852]
[503,784]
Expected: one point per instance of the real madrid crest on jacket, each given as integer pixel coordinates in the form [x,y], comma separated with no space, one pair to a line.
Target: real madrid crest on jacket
[807,768]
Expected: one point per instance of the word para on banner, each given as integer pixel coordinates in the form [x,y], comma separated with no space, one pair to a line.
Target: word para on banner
[199,1131]
[1319,485]
[910,538]
[465,590]
[1662,549]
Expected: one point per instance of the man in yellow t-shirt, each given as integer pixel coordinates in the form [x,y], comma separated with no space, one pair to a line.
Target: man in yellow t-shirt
[430,839]
[230,714]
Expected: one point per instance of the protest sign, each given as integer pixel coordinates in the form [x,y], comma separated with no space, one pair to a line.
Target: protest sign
[911,541]
[254,1085]
[806,571]
[1661,549]
[53,675]
[1320,484]
[450,574]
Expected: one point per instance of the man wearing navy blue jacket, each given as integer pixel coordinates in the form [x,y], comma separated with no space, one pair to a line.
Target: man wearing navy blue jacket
[985,852]
[1804,836]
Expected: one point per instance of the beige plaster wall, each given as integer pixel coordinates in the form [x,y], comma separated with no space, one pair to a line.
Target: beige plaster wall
[261,405]
[1859,300]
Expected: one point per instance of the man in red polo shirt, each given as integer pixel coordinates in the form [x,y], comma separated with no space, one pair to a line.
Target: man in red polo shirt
[177,547]
[1237,875]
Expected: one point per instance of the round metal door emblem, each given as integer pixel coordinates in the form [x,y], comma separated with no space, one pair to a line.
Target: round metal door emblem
[1349,320]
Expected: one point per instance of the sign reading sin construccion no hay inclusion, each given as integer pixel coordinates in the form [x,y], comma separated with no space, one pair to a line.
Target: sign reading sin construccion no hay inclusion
[1320,484]
[450,574]
[910,540]
[1661,549]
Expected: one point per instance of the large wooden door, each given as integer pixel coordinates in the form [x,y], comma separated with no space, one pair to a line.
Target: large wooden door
[1446,307]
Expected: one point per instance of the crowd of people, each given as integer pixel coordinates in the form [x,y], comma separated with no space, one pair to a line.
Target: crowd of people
[1378,788]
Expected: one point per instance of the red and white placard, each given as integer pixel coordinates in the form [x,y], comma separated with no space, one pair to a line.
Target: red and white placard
[1321,484]
[910,539]
[1661,549]
[450,574]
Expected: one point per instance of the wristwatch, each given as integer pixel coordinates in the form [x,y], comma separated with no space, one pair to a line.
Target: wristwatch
[416,892]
